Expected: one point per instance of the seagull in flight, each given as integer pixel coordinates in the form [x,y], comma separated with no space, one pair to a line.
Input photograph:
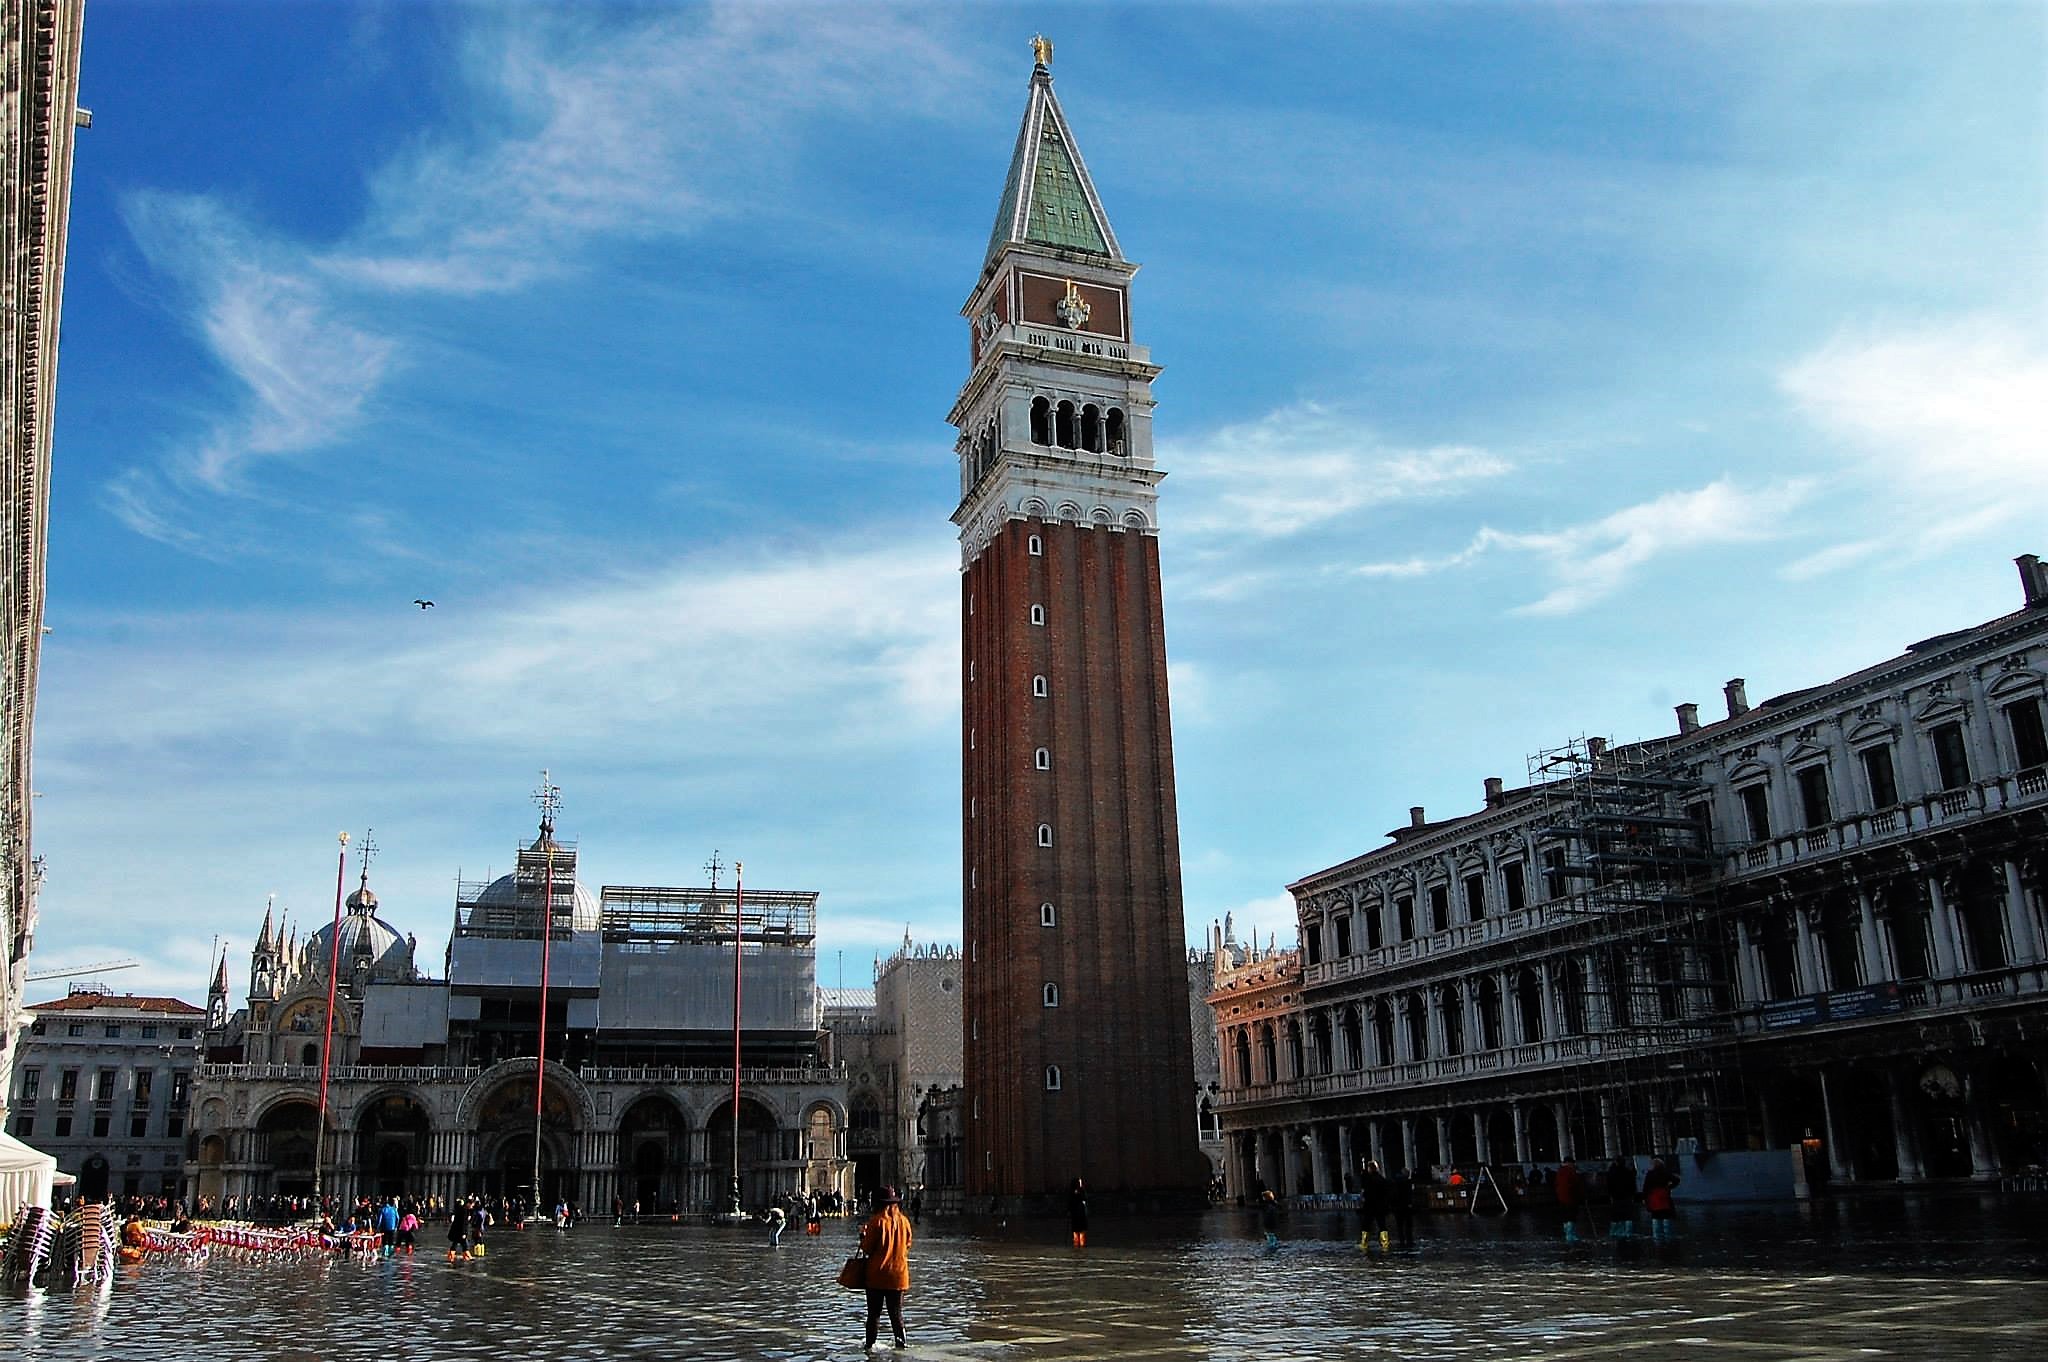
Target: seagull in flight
[424,605]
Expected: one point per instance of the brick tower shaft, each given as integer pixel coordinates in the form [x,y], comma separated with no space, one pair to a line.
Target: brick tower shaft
[1077,1050]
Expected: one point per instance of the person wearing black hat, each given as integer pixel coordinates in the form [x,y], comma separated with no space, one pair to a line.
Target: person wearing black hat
[885,1240]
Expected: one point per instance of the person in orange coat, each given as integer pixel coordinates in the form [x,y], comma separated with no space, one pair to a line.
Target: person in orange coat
[885,1239]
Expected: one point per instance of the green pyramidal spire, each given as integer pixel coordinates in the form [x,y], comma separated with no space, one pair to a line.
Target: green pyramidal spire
[1048,199]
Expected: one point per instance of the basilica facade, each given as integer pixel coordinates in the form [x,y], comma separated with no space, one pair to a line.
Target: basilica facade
[1800,943]
[439,1086]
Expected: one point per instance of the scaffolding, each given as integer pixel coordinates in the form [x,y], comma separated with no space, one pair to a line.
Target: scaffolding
[770,917]
[1642,978]
[542,882]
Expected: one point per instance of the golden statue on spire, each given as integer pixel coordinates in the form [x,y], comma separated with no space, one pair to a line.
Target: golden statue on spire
[1041,48]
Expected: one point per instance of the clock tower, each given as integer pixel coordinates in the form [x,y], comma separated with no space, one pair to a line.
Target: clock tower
[1077,1052]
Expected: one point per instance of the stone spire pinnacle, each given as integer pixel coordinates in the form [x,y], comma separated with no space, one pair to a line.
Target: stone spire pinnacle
[266,940]
[1048,200]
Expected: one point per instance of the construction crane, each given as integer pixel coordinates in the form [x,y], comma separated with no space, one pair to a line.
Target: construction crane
[104,967]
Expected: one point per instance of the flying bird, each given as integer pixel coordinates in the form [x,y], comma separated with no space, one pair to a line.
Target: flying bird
[424,605]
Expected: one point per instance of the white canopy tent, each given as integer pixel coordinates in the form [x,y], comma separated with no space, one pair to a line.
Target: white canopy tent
[26,1176]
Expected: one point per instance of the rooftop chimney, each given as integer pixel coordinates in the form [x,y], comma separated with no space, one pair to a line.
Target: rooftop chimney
[1688,717]
[2033,579]
[1738,698]
[1493,787]
[1415,818]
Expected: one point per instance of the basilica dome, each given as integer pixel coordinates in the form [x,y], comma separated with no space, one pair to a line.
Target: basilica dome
[366,939]
[501,904]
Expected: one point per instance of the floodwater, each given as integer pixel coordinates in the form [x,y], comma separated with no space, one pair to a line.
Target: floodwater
[1954,1276]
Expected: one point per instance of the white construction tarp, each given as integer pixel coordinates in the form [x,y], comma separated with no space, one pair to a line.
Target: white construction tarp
[25,1176]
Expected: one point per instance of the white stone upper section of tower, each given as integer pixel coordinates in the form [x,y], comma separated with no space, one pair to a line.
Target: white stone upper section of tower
[1055,418]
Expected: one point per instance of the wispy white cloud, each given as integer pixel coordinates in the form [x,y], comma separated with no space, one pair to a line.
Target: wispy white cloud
[822,647]
[302,372]
[1588,563]
[568,131]
[1306,465]
[1949,419]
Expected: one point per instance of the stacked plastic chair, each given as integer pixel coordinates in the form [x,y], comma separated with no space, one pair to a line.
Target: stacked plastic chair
[28,1246]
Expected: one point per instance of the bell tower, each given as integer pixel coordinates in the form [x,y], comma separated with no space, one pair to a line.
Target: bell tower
[1077,1052]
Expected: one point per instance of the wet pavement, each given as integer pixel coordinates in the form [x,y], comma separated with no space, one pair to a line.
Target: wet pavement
[1960,1276]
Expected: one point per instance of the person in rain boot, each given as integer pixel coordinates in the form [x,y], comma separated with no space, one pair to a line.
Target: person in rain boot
[1375,1207]
[1077,1213]
[1657,1185]
[1621,1198]
[1570,1190]
[1269,1217]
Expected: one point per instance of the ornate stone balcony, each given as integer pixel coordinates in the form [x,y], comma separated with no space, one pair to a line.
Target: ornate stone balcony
[1409,1074]
[1863,830]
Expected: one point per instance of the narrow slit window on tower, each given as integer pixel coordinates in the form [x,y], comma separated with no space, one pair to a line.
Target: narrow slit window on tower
[1045,834]
[1052,1078]
[1048,916]
[1042,759]
[1052,995]
[1039,687]
[1035,546]
[970,669]
[1038,614]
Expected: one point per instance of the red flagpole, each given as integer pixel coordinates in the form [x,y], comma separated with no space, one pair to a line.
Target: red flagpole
[327,1042]
[540,1067]
[739,926]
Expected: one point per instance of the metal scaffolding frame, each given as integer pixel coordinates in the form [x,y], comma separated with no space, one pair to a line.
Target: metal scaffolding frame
[1647,957]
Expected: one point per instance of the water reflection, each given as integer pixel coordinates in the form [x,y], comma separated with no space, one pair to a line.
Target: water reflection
[1964,1272]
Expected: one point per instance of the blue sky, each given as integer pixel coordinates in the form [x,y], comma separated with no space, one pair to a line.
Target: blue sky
[1529,370]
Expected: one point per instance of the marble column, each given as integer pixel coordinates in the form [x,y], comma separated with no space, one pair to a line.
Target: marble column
[1547,991]
[1905,1139]
[1660,1119]
[1813,976]
[1290,1161]
[1610,1129]
[1318,1151]
[1510,1009]
[2020,929]
[1443,1141]
[1521,1119]
[1983,1155]
[1867,939]
[1376,1139]
[1480,1142]
[1408,1143]
[1562,1123]
[1941,930]
[1347,1164]
[1841,1154]
[1747,977]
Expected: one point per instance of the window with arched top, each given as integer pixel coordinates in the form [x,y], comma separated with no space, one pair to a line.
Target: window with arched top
[1052,1078]
[1042,759]
[1052,995]
[1066,426]
[1039,687]
[1035,546]
[1041,421]
[1038,614]
[310,1055]
[1045,834]
[1091,428]
[1113,431]
[1048,916]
